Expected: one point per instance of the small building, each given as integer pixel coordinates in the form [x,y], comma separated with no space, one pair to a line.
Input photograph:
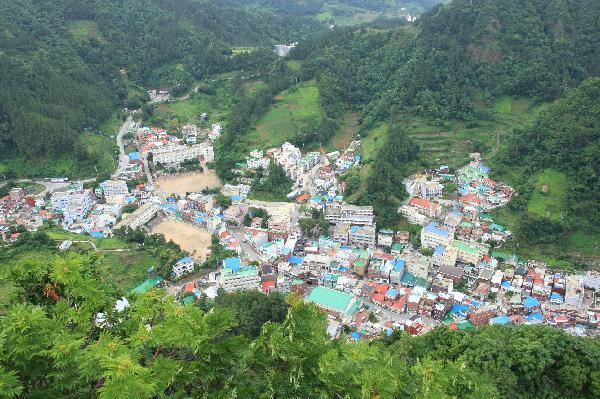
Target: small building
[337,303]
[183,266]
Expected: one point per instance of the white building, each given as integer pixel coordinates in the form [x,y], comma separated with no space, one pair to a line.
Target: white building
[74,204]
[433,235]
[362,236]
[140,216]
[356,215]
[183,266]
[431,189]
[235,277]
[111,188]
[176,154]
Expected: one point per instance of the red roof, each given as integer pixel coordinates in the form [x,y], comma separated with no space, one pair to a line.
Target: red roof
[189,287]
[378,297]
[302,198]
[381,288]
[421,202]
[453,326]
[267,285]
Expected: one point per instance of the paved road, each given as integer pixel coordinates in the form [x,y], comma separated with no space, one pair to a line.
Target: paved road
[247,249]
[122,156]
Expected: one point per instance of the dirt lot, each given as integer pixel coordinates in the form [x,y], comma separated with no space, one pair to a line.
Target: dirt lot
[191,239]
[188,182]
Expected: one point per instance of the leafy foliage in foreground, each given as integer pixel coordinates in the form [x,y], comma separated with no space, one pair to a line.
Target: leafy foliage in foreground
[51,347]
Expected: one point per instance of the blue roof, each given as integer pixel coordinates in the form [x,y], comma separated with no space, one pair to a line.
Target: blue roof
[187,259]
[392,292]
[534,316]
[398,264]
[234,263]
[434,228]
[199,220]
[531,302]
[357,157]
[236,198]
[134,156]
[505,284]
[389,331]
[355,335]
[456,213]
[556,296]
[343,269]
[353,229]
[500,320]
[484,168]
[97,234]
[460,309]
[296,259]
[408,278]
[439,250]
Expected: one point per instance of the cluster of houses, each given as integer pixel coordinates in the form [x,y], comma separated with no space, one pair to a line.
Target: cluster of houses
[20,207]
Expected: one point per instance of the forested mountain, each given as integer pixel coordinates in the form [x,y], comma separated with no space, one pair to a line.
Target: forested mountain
[458,56]
[566,138]
[53,344]
[67,64]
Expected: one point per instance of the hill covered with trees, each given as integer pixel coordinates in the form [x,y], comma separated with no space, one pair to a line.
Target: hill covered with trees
[68,65]
[54,344]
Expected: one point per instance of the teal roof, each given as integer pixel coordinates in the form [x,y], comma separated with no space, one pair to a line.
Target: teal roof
[146,285]
[330,298]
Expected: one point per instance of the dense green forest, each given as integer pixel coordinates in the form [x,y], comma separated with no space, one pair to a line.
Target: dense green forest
[52,344]
[68,65]
[563,139]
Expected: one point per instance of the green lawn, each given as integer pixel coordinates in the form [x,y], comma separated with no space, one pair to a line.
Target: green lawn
[550,204]
[292,109]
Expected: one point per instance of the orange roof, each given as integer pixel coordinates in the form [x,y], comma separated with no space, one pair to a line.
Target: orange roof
[302,198]
[378,297]
[381,288]
[266,285]
[423,203]
[189,287]
[453,326]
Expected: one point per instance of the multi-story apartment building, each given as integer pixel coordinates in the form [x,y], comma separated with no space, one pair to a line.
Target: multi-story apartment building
[362,236]
[176,154]
[140,216]
[235,277]
[74,204]
[353,214]
[111,188]
[470,252]
[433,235]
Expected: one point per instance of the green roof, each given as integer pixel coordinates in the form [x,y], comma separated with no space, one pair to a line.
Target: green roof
[465,325]
[465,247]
[146,285]
[329,298]
[397,246]
[500,255]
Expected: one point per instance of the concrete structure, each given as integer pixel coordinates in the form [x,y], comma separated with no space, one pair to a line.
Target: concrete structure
[433,235]
[235,277]
[337,303]
[362,236]
[353,214]
[111,188]
[176,154]
[283,50]
[445,255]
[74,204]
[340,233]
[140,216]
[470,252]
[183,266]
[431,189]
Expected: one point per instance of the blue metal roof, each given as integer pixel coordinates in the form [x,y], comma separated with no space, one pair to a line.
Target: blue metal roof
[500,320]
[234,263]
[531,302]
[296,260]
[440,250]
[134,156]
[435,228]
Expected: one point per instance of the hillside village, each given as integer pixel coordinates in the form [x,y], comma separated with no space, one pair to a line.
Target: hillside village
[369,280]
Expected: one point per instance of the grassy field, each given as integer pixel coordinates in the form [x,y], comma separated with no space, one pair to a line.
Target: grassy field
[287,116]
[343,138]
[101,243]
[84,29]
[173,115]
[549,195]
[125,269]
